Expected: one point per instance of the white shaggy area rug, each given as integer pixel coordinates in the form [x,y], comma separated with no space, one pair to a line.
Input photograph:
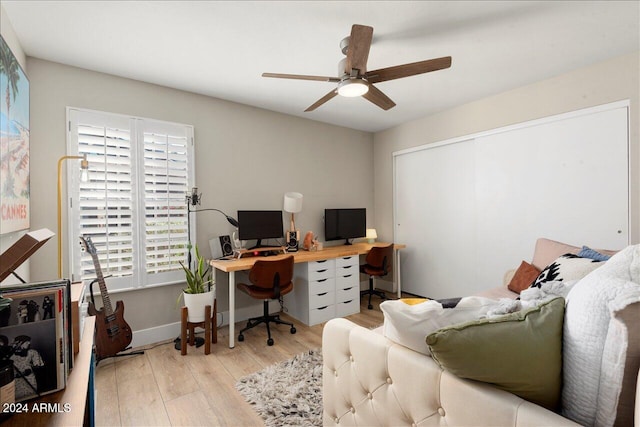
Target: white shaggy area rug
[288,393]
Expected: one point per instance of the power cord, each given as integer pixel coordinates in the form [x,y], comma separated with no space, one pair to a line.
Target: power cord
[282,307]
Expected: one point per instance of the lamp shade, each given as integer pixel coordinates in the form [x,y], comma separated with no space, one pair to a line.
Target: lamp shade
[371,233]
[293,202]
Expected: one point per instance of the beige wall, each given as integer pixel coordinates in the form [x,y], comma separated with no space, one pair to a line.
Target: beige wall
[246,158]
[613,80]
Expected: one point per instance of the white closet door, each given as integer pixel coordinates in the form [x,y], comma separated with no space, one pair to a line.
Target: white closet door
[434,218]
[469,211]
[566,180]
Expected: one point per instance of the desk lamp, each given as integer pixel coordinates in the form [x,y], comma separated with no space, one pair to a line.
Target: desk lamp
[293,205]
[194,199]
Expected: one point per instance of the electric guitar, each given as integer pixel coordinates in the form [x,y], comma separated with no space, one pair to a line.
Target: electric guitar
[113,334]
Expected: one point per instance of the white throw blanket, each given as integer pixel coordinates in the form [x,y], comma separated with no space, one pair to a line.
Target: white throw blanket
[594,344]
[532,297]
[410,324]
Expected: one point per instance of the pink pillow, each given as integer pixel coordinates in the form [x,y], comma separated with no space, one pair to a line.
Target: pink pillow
[548,250]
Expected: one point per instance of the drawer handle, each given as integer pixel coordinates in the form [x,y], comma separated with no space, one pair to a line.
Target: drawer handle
[347,289]
[347,302]
[321,271]
[322,280]
[348,266]
[322,308]
[324,260]
[322,294]
[348,275]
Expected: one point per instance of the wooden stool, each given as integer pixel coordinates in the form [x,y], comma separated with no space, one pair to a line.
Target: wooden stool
[209,324]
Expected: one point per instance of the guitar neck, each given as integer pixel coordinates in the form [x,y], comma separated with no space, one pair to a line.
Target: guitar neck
[106,300]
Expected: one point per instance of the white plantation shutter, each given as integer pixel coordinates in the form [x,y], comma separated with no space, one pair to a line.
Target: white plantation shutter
[105,203]
[166,179]
[133,206]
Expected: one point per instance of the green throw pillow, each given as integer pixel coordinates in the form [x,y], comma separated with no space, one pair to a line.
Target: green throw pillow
[519,352]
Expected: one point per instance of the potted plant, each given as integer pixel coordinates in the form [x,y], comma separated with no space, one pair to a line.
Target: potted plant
[200,290]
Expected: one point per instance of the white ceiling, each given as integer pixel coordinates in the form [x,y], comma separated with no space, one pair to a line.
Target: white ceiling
[221,49]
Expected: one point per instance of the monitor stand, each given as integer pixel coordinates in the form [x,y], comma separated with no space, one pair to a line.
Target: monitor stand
[244,253]
[347,242]
[258,245]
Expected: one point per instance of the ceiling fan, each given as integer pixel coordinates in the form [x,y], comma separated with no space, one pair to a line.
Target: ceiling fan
[355,80]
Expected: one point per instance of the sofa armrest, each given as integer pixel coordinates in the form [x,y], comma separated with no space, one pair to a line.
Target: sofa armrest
[370,380]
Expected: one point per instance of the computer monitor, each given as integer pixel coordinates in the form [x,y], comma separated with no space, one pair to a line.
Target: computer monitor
[258,225]
[345,224]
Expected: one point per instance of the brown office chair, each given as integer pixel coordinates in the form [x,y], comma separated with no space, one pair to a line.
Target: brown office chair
[379,262]
[270,279]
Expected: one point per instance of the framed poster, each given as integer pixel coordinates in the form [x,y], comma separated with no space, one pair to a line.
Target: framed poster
[34,336]
[14,143]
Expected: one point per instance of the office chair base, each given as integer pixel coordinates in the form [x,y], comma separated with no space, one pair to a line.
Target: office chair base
[370,292]
[266,318]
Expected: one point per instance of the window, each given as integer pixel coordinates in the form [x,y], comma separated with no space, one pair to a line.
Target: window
[133,205]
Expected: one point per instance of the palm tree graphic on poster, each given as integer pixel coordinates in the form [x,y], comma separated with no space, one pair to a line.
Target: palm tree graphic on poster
[14,143]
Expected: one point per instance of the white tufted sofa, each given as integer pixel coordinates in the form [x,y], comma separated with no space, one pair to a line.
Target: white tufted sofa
[369,380]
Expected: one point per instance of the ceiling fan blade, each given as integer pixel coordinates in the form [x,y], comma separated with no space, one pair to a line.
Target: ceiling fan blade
[302,77]
[358,50]
[376,96]
[406,70]
[322,100]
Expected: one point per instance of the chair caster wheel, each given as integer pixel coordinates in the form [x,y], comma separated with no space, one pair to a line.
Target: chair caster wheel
[370,307]
[270,341]
[240,337]
[293,330]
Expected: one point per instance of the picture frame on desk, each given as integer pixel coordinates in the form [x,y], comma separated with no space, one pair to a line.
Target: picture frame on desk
[34,334]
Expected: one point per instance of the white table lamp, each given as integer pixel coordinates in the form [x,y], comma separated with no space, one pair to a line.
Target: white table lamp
[371,235]
[293,205]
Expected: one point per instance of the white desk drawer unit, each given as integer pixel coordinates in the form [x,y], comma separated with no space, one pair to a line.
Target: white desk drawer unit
[318,270]
[347,308]
[325,289]
[322,299]
[347,285]
[321,314]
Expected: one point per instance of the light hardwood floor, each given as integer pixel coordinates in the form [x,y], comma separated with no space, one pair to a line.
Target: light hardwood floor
[164,388]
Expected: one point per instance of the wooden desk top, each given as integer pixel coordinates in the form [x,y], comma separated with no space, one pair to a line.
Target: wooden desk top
[301,256]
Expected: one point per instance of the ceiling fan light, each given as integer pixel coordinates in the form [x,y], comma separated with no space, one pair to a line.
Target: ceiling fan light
[352,88]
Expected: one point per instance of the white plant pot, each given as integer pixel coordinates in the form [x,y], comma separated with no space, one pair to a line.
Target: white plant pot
[195,304]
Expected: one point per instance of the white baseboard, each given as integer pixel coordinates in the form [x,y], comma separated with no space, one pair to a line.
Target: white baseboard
[171,331]
[156,334]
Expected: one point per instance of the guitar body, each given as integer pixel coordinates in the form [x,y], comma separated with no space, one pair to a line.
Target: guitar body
[113,333]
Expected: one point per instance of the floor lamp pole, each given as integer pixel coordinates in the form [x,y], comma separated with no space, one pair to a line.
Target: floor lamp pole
[84,166]
[189,233]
